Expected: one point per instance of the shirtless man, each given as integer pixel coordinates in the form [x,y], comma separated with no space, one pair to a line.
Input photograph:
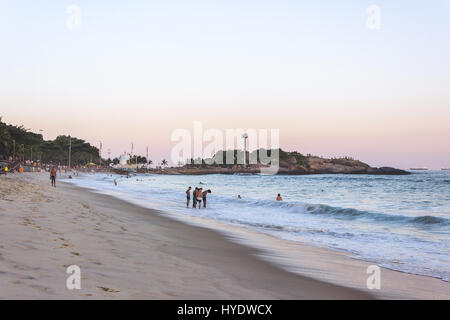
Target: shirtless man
[53,177]
[188,196]
[198,197]
[194,198]
[204,193]
[279,198]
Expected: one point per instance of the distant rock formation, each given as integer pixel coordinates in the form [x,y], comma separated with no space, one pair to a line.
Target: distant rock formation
[290,163]
[318,165]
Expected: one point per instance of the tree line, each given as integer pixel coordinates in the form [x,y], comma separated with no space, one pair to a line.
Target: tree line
[20,143]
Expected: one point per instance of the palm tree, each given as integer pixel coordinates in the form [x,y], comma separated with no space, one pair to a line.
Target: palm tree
[164,163]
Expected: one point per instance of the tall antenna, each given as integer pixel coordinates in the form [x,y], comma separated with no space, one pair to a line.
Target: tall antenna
[147,159]
[131,157]
[245,137]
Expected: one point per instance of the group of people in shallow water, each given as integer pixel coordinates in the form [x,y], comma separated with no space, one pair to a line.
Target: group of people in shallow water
[198,196]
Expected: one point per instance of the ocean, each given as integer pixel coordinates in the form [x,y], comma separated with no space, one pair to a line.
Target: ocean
[398,222]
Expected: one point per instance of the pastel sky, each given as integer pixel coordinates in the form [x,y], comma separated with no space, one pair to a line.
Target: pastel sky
[137,70]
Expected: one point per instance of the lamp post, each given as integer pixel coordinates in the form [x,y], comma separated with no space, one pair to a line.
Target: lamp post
[70,150]
[100,153]
[131,157]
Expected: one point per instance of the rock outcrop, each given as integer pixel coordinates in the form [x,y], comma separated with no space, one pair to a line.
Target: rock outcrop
[292,163]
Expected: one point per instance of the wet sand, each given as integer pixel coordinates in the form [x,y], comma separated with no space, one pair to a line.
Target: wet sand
[127,252]
[130,252]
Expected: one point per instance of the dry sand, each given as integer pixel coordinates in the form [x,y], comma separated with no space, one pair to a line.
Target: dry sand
[129,252]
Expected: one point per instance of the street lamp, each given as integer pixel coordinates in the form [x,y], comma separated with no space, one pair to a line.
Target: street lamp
[70,151]
[100,153]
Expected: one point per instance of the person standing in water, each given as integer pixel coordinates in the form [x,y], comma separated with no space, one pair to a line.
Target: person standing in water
[53,177]
[199,197]
[194,198]
[279,198]
[204,193]
[188,196]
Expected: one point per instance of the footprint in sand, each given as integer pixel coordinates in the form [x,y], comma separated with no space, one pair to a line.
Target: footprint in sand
[108,289]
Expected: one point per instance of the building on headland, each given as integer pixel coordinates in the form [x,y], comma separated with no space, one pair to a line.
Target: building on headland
[124,158]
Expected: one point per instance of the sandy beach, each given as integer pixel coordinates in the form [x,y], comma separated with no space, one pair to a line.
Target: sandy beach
[129,252]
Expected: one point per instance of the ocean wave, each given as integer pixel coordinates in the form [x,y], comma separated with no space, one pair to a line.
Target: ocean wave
[351,213]
[292,229]
[430,220]
[348,213]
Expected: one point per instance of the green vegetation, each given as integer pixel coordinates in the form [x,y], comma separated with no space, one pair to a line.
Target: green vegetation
[137,159]
[301,159]
[219,159]
[21,143]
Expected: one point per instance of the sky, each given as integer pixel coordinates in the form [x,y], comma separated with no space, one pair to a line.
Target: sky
[135,71]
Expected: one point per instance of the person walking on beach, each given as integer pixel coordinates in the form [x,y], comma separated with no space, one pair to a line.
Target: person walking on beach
[53,177]
[279,198]
[204,193]
[188,196]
